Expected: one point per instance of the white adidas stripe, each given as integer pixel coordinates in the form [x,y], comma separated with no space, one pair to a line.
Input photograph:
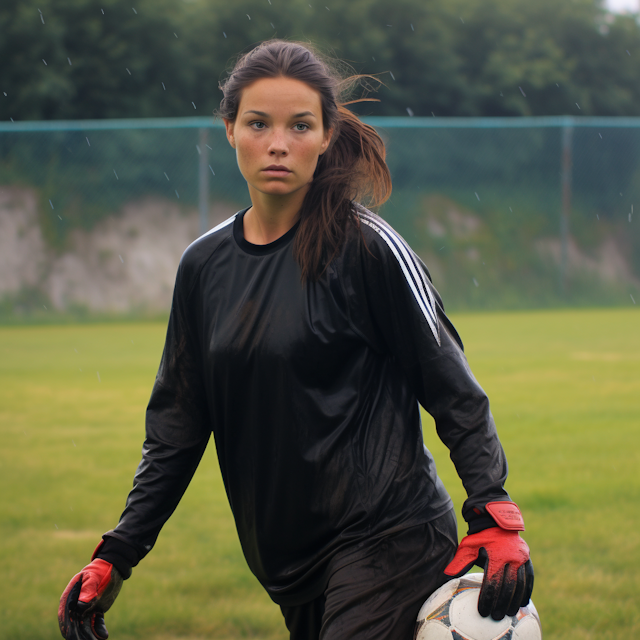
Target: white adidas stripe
[410,259]
[412,270]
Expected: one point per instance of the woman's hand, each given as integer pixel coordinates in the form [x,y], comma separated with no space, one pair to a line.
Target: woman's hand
[504,556]
[85,600]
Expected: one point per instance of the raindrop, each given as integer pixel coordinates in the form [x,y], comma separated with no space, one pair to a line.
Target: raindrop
[626,50]
[45,306]
[373,58]
[510,209]
[391,72]
[98,374]
[75,445]
[69,61]
[557,85]
[597,216]
[5,93]
[116,175]
[327,8]
[134,11]
[41,17]
[600,135]
[577,105]
[633,299]
[248,16]
[166,176]
[55,525]
[389,25]
[102,11]
[199,150]
[59,218]
[51,203]
[193,103]
[269,1]
[433,114]
[45,62]
[129,72]
[212,171]
[410,111]
[522,92]
[441,248]
[87,139]
[629,217]
[461,20]
[477,196]
[475,282]
[224,34]
[121,260]
[208,147]
[272,25]
[175,34]
[165,88]
[177,194]
[12,120]
[412,29]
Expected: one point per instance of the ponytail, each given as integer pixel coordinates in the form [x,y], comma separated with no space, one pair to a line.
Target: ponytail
[352,168]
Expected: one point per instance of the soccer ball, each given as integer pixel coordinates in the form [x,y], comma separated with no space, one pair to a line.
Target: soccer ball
[451,613]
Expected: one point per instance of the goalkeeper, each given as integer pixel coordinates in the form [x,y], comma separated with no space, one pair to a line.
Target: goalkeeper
[304,333]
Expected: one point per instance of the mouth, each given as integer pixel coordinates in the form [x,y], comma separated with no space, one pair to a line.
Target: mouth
[277,170]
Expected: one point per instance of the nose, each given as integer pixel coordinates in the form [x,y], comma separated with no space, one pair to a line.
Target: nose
[278,144]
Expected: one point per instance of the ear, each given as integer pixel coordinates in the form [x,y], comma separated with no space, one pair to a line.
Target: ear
[229,126]
[327,140]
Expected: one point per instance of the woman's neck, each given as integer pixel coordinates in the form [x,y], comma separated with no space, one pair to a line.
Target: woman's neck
[270,217]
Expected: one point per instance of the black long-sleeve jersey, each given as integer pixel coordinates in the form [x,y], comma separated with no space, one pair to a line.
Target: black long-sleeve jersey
[311,391]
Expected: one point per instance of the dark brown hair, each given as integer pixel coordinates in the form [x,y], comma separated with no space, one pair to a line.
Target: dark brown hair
[353,166]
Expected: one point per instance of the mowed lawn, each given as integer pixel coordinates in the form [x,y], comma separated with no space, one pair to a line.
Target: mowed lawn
[565,392]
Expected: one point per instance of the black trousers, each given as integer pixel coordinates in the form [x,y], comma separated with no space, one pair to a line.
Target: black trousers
[378,596]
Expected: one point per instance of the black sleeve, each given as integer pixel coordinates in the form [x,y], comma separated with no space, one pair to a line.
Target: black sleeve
[177,432]
[405,316]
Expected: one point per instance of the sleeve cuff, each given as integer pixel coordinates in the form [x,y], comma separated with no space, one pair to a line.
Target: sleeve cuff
[120,554]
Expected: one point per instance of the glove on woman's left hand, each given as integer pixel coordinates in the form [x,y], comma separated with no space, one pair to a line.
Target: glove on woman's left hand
[504,556]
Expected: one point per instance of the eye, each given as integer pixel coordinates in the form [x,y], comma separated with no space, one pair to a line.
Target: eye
[304,126]
[257,125]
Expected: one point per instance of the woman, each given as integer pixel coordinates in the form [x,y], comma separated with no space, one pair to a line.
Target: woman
[303,333]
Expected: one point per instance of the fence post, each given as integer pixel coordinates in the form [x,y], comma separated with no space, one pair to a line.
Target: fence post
[567,162]
[203,181]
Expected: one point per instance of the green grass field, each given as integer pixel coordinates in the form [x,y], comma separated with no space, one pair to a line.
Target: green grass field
[565,392]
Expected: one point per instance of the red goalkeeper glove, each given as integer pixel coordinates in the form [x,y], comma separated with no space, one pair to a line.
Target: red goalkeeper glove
[85,600]
[504,556]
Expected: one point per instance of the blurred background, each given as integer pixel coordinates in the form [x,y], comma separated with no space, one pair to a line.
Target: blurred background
[510,125]
[513,138]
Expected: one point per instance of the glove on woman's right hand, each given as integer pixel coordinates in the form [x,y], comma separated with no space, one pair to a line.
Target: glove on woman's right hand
[85,600]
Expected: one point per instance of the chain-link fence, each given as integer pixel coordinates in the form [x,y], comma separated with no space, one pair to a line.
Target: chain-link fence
[507,213]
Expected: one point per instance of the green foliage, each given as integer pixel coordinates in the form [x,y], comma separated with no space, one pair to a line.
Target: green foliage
[564,390]
[456,58]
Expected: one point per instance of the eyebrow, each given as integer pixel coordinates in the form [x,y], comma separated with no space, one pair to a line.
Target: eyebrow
[266,115]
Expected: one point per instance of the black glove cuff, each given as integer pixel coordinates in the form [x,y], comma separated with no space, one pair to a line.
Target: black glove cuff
[120,554]
[478,523]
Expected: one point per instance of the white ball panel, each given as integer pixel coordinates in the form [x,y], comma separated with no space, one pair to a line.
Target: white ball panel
[465,618]
[527,629]
[434,630]
[438,598]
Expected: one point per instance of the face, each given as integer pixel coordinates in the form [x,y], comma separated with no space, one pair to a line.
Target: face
[278,135]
